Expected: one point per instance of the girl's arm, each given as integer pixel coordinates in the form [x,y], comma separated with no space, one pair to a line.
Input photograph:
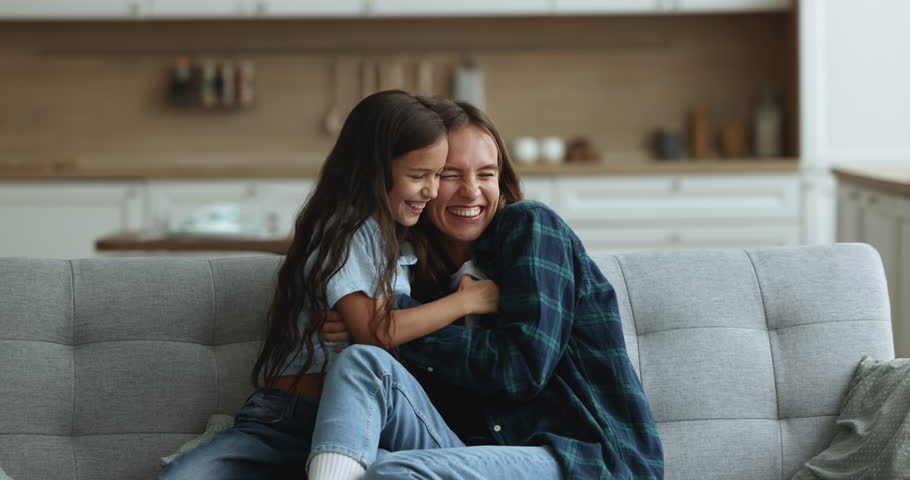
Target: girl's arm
[358,311]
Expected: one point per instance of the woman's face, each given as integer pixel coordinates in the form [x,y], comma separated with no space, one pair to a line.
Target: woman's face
[414,181]
[468,195]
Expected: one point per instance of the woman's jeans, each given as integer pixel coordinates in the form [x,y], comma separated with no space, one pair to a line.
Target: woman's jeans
[270,439]
[371,402]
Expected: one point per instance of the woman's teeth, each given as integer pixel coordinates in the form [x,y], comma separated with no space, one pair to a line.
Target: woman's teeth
[416,206]
[464,212]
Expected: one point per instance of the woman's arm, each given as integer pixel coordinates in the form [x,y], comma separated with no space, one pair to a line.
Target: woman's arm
[358,311]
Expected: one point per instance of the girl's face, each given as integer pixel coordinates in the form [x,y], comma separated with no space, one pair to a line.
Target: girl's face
[415,180]
[468,189]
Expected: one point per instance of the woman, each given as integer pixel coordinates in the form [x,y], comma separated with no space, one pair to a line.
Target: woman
[549,373]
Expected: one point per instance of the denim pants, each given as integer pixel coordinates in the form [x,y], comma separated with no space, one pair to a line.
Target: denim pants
[270,439]
[371,402]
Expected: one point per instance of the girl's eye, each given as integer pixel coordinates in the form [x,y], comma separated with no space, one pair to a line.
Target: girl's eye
[417,177]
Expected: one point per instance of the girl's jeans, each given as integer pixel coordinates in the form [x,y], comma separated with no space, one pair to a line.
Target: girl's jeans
[270,439]
[371,402]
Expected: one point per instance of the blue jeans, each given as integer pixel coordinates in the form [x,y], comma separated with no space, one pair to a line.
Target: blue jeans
[371,402]
[270,439]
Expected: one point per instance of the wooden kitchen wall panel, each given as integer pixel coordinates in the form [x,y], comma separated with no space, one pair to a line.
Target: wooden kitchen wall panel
[74,90]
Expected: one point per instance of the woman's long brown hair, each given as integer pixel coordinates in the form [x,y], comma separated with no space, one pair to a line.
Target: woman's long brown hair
[433,268]
[353,186]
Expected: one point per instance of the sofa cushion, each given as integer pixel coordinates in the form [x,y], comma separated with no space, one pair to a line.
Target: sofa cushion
[872,429]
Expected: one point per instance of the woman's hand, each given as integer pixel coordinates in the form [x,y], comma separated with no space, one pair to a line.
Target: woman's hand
[482,295]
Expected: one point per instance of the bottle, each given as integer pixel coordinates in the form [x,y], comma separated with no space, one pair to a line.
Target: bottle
[246,84]
[768,126]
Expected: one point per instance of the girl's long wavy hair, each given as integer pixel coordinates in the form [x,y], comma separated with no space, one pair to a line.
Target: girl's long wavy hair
[433,268]
[353,186]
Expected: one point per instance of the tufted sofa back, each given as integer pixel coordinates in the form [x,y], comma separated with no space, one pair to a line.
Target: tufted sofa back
[108,364]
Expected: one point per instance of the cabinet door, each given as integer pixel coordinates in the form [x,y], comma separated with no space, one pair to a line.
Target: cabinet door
[199,8]
[719,6]
[62,219]
[172,204]
[282,200]
[853,82]
[607,239]
[607,7]
[68,9]
[848,214]
[881,228]
[541,189]
[900,309]
[643,198]
[308,8]
[412,8]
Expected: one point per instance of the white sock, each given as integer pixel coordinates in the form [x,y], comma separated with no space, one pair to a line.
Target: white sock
[334,466]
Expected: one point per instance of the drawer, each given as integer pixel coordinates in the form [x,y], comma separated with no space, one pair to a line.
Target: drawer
[679,197]
[605,240]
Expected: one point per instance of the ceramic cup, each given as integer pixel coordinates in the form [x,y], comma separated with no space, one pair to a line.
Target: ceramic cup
[552,149]
[525,149]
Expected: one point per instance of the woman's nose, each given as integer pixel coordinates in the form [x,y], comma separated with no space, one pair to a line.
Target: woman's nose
[470,188]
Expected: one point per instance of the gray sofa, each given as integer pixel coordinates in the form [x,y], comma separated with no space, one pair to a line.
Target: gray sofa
[106,365]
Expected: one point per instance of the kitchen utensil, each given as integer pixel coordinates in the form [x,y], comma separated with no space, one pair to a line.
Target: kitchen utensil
[334,117]
[424,77]
[552,149]
[733,141]
[468,86]
[699,138]
[526,149]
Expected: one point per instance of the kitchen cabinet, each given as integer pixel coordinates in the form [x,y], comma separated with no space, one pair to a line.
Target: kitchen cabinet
[69,10]
[419,8]
[883,221]
[622,213]
[852,93]
[644,7]
[62,219]
[275,203]
[256,8]
[720,6]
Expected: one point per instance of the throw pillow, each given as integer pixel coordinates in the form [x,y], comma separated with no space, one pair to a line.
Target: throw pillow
[217,423]
[873,435]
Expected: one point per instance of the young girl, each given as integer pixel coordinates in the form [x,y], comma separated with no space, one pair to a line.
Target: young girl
[346,255]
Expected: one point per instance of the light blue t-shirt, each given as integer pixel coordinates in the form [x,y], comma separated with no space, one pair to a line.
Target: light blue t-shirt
[359,274]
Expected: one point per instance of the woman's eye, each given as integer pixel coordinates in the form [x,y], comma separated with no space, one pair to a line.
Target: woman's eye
[448,177]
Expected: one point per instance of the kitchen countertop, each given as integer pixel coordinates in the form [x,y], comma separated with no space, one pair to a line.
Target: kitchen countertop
[209,166]
[891,179]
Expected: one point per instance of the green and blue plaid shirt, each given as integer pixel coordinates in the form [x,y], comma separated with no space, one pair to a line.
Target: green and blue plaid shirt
[551,368]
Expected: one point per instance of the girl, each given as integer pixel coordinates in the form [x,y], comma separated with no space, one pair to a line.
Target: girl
[345,256]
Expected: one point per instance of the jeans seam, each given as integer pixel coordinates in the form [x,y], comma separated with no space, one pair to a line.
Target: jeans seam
[419,413]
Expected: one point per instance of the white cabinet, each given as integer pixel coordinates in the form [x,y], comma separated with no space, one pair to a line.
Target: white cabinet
[69,9]
[719,6]
[273,204]
[883,221]
[619,7]
[255,8]
[541,189]
[62,219]
[423,8]
[853,82]
[622,213]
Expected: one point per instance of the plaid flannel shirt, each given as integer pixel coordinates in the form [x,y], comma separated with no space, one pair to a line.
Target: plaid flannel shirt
[551,368]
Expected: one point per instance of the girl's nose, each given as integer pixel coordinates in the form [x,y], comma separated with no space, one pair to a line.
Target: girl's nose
[431,190]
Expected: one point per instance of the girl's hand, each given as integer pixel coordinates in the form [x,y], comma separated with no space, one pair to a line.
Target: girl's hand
[482,295]
[334,330]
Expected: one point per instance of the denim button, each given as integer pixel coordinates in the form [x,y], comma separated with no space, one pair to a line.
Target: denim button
[496,428]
